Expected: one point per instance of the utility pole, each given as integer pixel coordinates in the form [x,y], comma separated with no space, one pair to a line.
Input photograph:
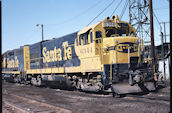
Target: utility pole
[163,54]
[165,32]
[42,26]
[42,32]
[152,37]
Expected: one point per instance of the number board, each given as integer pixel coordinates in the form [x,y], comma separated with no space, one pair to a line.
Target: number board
[109,24]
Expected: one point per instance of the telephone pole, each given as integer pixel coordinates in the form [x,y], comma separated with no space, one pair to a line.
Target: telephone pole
[42,26]
[152,36]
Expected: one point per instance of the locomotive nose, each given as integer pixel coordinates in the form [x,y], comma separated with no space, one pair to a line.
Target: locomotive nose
[120,49]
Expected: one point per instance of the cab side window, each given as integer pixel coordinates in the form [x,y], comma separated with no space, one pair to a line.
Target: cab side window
[77,41]
[98,34]
[85,38]
[85,35]
[91,37]
[81,40]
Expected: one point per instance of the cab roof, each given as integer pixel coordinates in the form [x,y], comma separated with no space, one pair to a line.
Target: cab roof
[85,29]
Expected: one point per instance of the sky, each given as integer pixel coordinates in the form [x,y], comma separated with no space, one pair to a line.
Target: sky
[61,17]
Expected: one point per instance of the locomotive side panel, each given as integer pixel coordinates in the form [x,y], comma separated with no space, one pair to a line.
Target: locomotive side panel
[54,56]
[60,52]
[15,61]
[35,56]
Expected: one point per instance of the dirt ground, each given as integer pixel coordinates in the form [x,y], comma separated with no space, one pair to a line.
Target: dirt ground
[81,102]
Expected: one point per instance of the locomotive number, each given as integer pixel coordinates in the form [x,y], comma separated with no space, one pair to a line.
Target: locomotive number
[123,47]
[109,24]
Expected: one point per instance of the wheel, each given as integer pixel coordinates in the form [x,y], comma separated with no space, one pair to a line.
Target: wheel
[37,81]
[16,79]
[33,81]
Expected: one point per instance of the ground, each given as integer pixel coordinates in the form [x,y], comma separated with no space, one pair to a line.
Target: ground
[81,102]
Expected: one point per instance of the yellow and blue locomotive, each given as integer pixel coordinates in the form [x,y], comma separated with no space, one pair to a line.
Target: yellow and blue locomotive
[15,64]
[101,57]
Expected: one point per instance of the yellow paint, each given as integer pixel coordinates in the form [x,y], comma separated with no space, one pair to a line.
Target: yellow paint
[67,51]
[114,56]
[4,62]
[11,72]
[59,70]
[26,58]
[13,63]
[52,55]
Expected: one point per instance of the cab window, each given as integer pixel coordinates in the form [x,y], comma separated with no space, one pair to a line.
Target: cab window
[98,34]
[85,38]
[121,32]
[91,37]
[110,32]
[77,41]
[81,40]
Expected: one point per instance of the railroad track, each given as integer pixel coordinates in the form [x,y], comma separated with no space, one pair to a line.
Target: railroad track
[30,100]
[149,97]
[27,105]
[12,107]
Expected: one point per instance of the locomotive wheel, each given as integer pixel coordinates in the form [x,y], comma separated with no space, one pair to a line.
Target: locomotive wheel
[37,81]
[78,85]
[17,79]
[33,80]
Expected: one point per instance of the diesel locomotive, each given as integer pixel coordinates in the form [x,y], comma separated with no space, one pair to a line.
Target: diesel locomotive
[100,57]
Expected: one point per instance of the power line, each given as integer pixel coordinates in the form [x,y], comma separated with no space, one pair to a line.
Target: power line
[161,8]
[124,9]
[101,12]
[157,19]
[116,8]
[78,15]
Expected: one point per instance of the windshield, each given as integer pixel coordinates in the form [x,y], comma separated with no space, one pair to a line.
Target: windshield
[121,32]
[110,32]
[118,32]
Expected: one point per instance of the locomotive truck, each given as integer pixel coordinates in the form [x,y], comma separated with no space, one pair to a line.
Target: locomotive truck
[100,57]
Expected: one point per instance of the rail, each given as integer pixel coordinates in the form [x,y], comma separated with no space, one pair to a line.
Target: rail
[29,105]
